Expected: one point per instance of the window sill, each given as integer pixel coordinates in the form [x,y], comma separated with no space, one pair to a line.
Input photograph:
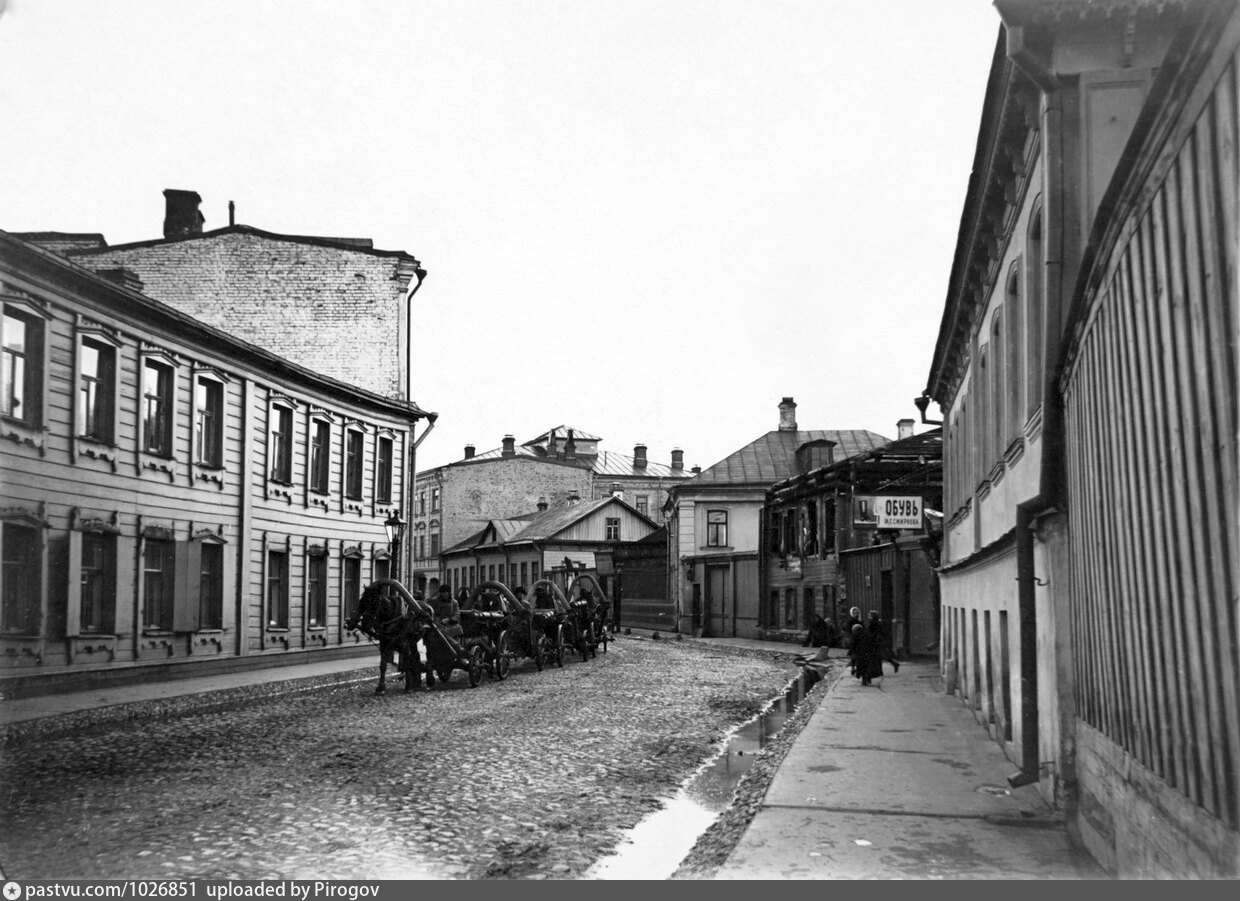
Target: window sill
[23,433]
[157,633]
[716,547]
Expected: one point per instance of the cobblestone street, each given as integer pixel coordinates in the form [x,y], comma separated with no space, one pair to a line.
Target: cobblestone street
[533,777]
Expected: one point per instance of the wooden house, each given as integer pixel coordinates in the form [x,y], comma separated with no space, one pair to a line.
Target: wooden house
[861,532]
[171,496]
[549,544]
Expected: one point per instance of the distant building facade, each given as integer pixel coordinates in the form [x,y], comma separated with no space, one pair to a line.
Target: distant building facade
[173,497]
[861,532]
[1085,369]
[546,544]
[559,467]
[715,522]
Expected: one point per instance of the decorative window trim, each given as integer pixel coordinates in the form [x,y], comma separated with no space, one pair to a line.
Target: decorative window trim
[147,460]
[84,522]
[275,634]
[211,372]
[353,552]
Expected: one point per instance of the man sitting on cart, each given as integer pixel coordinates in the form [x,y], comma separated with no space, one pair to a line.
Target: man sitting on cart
[447,612]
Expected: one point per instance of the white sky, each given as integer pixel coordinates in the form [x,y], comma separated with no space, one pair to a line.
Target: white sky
[647,220]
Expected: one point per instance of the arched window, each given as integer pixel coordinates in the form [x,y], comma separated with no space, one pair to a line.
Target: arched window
[1035,322]
[1014,400]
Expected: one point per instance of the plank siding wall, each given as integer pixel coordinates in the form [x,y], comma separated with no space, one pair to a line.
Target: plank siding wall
[1150,405]
[62,479]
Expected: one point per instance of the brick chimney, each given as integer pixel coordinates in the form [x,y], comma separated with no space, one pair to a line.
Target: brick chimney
[552,445]
[570,447]
[639,456]
[678,460]
[573,497]
[510,447]
[469,451]
[181,214]
[542,505]
[904,429]
[787,415]
[695,470]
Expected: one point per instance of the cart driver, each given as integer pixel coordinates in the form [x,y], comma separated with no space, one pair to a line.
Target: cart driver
[542,598]
[447,612]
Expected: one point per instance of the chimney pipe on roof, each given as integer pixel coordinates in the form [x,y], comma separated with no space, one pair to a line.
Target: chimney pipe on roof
[695,470]
[904,429]
[469,451]
[542,505]
[510,449]
[232,214]
[573,497]
[787,415]
[181,214]
[639,456]
[678,459]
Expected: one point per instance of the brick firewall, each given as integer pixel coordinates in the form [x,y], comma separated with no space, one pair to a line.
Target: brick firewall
[331,309]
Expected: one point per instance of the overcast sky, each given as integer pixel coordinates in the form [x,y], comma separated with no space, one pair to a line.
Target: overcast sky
[647,220]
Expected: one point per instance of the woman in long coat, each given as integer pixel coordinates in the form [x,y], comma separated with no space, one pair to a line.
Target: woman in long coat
[867,658]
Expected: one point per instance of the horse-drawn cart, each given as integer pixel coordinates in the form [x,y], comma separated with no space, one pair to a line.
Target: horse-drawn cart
[589,598]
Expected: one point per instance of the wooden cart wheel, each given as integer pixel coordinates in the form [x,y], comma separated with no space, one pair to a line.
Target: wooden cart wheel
[477,663]
[502,660]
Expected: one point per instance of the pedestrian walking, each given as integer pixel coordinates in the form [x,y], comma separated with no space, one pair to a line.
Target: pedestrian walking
[854,619]
[866,660]
[878,634]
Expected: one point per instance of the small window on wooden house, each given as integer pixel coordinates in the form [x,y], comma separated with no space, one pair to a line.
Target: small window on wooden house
[281,451]
[157,408]
[21,366]
[209,423]
[320,456]
[96,390]
[98,583]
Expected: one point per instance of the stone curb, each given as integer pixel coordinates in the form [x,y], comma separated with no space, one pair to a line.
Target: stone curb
[712,849]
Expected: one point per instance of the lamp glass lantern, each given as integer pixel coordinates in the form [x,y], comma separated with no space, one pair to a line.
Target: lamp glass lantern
[395,526]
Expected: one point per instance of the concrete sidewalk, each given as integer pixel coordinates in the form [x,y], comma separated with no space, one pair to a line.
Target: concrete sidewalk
[898,781]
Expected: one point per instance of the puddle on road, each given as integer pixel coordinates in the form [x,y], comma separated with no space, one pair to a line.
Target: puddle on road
[655,847]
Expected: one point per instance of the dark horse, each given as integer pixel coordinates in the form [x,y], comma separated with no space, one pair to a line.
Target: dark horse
[395,630]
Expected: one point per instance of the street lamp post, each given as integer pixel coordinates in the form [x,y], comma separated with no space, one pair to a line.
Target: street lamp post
[395,526]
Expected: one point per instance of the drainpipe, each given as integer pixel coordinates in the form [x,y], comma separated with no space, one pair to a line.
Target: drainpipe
[412,472]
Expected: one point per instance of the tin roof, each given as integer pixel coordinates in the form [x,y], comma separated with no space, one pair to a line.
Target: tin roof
[773,456]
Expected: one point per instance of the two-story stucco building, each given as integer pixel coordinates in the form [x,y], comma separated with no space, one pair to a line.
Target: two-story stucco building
[1086,373]
[715,522]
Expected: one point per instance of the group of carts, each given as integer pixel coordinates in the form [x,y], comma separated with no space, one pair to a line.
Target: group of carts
[497,629]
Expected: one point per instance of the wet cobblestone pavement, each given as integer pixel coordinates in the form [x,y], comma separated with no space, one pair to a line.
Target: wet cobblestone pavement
[534,777]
